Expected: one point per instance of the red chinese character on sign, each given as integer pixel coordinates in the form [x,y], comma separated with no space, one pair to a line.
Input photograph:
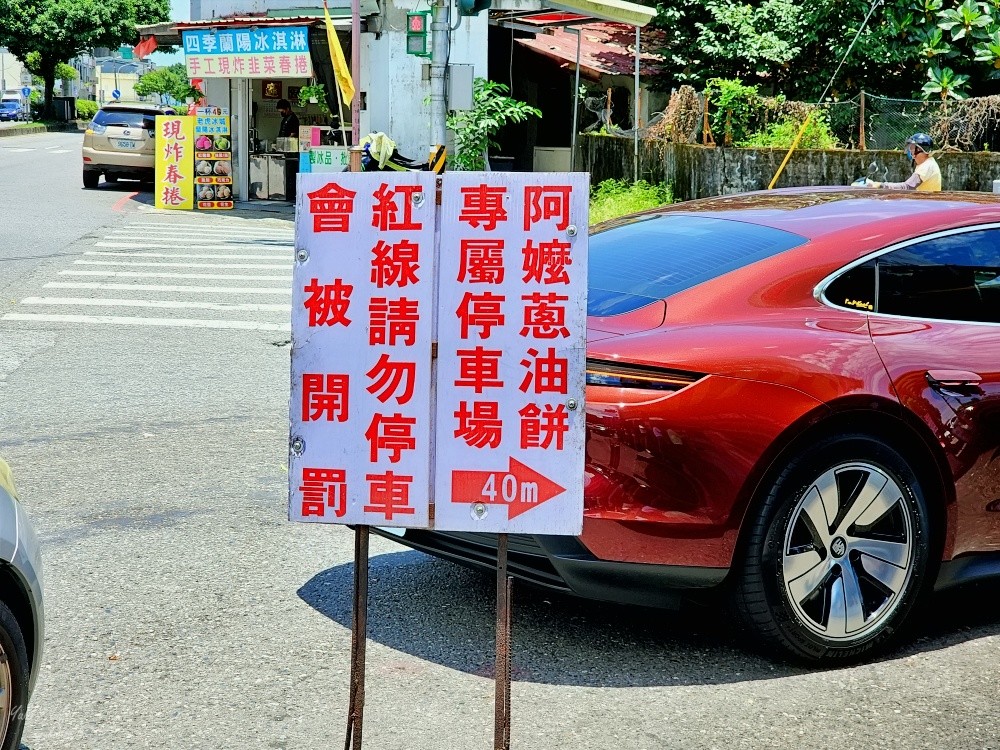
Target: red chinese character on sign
[239,65]
[173,175]
[548,373]
[172,129]
[173,152]
[328,303]
[479,368]
[481,261]
[386,211]
[480,426]
[392,321]
[395,265]
[285,64]
[325,397]
[546,202]
[224,65]
[482,311]
[322,488]
[387,376]
[539,427]
[254,64]
[544,317]
[172,196]
[301,64]
[548,260]
[389,494]
[268,64]
[391,433]
[331,207]
[193,65]
[482,205]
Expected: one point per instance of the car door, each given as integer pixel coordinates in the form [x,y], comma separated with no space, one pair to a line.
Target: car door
[936,326]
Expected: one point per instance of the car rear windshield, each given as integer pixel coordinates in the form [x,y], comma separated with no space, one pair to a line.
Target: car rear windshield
[654,257]
[125,118]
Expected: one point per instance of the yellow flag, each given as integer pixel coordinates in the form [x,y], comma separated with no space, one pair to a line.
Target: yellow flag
[340,70]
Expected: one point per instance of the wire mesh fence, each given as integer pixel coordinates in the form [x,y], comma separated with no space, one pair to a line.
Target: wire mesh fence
[863,122]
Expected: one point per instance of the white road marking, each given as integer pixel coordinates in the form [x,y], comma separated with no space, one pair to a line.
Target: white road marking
[138,244]
[215,226]
[60,151]
[160,264]
[243,325]
[157,233]
[149,275]
[194,256]
[283,291]
[17,150]
[157,303]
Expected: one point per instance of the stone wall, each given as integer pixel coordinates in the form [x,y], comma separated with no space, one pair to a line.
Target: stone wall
[700,172]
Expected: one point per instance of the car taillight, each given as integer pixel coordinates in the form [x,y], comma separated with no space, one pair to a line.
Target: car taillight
[98,129]
[615,375]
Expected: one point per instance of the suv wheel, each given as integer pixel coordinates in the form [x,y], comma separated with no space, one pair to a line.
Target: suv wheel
[90,178]
[13,680]
[839,555]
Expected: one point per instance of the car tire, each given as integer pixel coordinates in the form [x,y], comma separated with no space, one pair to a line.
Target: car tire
[90,179]
[839,554]
[13,680]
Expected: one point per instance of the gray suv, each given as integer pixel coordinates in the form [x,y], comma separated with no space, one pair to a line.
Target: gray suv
[22,627]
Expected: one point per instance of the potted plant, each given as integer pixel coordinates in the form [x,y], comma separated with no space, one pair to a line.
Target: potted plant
[314,93]
[475,129]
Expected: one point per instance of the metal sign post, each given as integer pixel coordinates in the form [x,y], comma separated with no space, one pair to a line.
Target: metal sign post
[462,302]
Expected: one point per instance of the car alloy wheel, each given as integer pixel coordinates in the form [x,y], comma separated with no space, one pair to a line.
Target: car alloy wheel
[6,693]
[13,680]
[848,552]
[838,553]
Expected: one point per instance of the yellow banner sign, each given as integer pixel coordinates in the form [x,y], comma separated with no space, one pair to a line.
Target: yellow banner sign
[175,149]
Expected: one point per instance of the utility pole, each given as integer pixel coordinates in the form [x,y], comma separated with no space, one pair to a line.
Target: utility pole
[439,68]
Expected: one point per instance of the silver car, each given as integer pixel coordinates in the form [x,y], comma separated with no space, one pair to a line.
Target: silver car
[22,626]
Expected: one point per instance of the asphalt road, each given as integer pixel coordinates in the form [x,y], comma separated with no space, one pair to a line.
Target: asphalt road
[184,611]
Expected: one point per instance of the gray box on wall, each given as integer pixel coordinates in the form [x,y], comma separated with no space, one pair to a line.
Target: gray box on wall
[460,87]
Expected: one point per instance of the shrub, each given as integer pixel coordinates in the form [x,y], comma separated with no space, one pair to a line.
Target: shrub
[86,109]
[613,198]
[782,134]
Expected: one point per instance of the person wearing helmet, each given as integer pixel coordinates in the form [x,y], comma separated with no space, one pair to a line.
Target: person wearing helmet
[926,173]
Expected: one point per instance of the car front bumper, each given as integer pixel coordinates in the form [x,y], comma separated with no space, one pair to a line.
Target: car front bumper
[562,563]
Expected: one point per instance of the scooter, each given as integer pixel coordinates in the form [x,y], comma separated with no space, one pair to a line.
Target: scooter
[873,170]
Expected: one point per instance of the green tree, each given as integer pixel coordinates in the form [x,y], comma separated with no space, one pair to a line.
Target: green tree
[57,30]
[475,129]
[170,81]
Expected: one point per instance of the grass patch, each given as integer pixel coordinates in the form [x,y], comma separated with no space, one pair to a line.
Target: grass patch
[613,198]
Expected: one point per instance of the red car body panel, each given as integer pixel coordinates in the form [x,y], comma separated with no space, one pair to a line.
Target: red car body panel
[670,475]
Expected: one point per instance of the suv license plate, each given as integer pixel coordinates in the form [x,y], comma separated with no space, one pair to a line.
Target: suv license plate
[121,143]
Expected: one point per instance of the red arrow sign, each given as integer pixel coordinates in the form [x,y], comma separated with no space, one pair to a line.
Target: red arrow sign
[520,488]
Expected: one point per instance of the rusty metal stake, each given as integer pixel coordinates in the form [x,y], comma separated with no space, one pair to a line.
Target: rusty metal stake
[501,725]
[359,638]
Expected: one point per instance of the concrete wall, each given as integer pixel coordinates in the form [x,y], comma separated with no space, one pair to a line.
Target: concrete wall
[699,172]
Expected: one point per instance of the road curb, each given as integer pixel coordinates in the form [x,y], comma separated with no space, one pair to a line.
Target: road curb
[31,130]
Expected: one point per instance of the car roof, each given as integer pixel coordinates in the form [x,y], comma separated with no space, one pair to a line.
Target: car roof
[819,212]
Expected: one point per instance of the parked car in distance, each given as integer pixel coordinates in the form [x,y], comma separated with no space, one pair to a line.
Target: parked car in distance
[793,401]
[119,142]
[22,618]
[11,111]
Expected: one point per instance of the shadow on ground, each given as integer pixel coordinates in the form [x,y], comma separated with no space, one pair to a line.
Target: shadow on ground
[444,613]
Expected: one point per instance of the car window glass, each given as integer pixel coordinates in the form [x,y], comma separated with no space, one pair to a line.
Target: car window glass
[956,277]
[854,289]
[653,257]
[125,119]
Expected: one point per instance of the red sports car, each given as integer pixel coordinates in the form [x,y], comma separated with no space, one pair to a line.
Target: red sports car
[794,399]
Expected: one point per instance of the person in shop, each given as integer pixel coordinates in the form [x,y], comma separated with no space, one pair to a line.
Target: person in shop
[289,128]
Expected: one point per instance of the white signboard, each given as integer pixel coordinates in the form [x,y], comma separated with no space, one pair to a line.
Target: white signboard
[511,353]
[493,435]
[362,322]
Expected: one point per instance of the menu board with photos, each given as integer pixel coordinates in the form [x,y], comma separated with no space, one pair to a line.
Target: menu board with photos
[213,167]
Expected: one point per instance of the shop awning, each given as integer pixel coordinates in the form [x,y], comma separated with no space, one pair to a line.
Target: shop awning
[619,11]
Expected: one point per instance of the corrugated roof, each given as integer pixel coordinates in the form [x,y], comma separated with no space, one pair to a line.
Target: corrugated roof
[605,49]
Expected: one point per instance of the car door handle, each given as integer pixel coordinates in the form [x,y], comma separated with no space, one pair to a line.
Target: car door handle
[938,379]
